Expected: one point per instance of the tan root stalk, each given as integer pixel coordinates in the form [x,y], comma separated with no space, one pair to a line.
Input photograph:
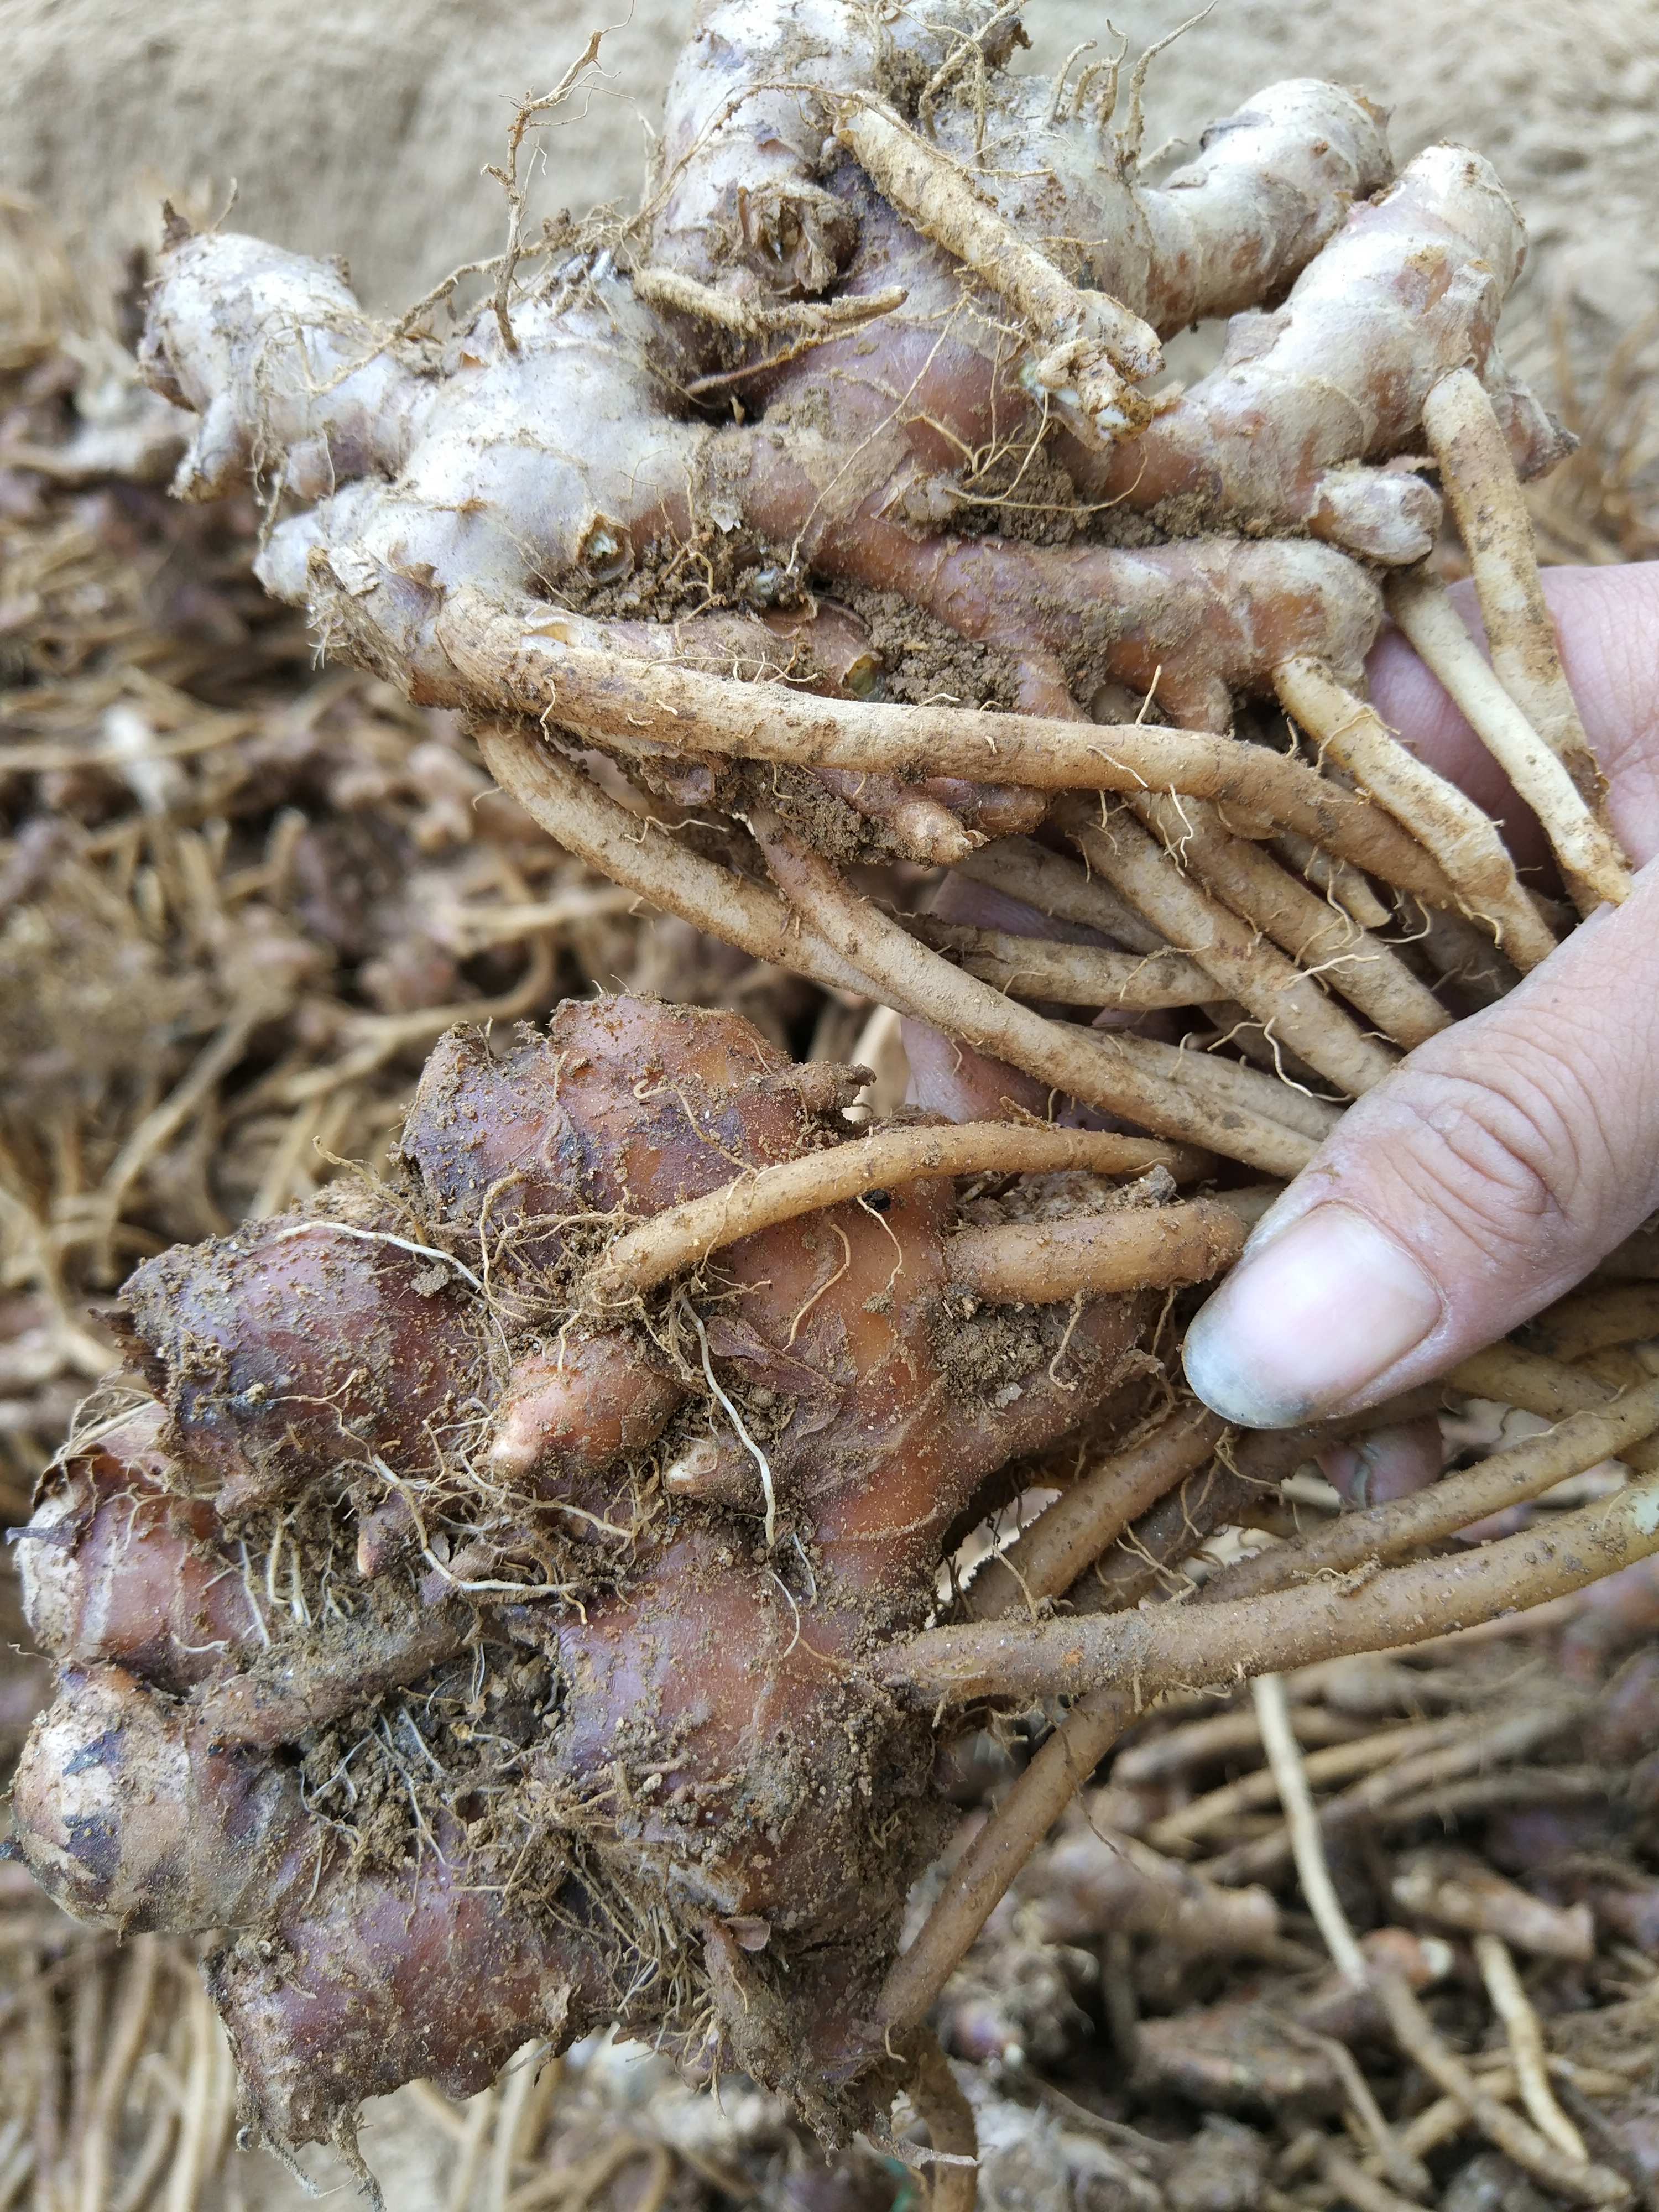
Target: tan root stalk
[684,1236]
[1547,1388]
[1509,1478]
[1418,2041]
[1171,1646]
[1144,1556]
[811,319]
[1094,1724]
[1591,860]
[1072,974]
[1465,841]
[1223,1107]
[954,2180]
[1590,1320]
[1174,1093]
[1335,878]
[642,856]
[513,657]
[1290,1006]
[1053,885]
[1048,1558]
[1526,2041]
[1091,345]
[1477,473]
[1140,1248]
[982,1875]
[1318,933]
[1411,2028]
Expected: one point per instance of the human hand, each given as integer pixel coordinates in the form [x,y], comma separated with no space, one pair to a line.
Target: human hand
[1494,1169]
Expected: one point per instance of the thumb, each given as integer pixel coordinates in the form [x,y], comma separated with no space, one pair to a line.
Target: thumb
[1484,1178]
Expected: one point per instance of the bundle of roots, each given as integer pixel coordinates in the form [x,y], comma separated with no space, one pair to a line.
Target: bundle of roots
[514,1600]
[486,1627]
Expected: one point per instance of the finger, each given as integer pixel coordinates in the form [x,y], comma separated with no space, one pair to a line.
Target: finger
[1389,1463]
[1480,1181]
[964,1085]
[1605,619]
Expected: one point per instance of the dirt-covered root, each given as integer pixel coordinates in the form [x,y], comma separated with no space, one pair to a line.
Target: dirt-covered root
[1402,1605]
[571,435]
[133,1816]
[376,559]
[119,1566]
[759,220]
[440,1643]
[432,470]
[288,374]
[1413,285]
[1189,625]
[430,1974]
[738,202]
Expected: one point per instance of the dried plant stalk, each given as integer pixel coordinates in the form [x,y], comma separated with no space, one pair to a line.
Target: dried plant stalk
[1509,2001]
[1339,1762]
[1411,2028]
[1289,1778]
[1415,2034]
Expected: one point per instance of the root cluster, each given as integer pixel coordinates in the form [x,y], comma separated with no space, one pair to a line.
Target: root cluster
[529,1584]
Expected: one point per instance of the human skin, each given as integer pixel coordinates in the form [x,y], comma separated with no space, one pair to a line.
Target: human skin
[1503,1157]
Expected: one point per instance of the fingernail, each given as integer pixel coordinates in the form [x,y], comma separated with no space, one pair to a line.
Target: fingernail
[1308,1320]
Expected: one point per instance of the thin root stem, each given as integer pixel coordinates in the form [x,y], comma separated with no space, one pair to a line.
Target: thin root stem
[1526,2041]
[1590,860]
[684,1236]
[1478,474]
[1465,841]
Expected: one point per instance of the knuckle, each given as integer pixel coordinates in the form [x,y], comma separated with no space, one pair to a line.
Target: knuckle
[1507,1157]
